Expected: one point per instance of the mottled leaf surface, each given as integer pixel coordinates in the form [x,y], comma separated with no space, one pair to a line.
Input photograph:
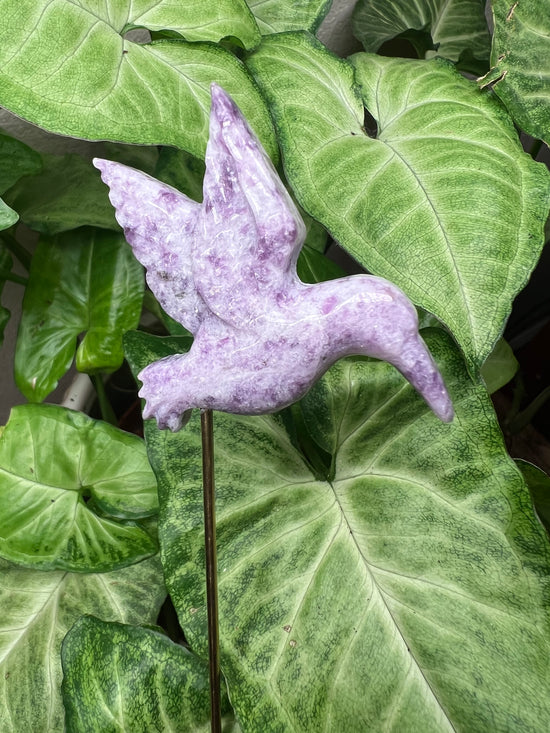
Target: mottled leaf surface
[407,592]
[520,66]
[69,68]
[38,608]
[82,281]
[125,678]
[274,16]
[443,202]
[71,490]
[455,26]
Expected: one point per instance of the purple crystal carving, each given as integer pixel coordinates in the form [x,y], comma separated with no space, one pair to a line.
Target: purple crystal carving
[226,270]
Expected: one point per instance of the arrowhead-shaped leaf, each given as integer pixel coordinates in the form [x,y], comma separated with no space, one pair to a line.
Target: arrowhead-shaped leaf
[120,677]
[456,28]
[70,490]
[68,68]
[444,202]
[274,16]
[38,608]
[85,280]
[520,64]
[65,194]
[406,593]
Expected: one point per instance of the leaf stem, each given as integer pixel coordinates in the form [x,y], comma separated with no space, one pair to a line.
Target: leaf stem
[16,249]
[12,277]
[105,407]
[209,497]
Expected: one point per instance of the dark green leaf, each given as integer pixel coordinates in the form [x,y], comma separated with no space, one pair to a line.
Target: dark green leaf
[520,65]
[85,280]
[314,267]
[16,160]
[66,194]
[274,16]
[408,593]
[69,68]
[444,202]
[181,170]
[65,481]
[455,27]
[126,678]
[38,608]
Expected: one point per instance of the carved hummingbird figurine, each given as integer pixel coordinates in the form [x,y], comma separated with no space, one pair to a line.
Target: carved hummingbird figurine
[226,270]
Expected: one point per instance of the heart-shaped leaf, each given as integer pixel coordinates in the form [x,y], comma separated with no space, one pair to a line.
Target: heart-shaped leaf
[274,16]
[407,593]
[85,280]
[132,679]
[16,160]
[444,202]
[38,608]
[68,68]
[456,28]
[520,64]
[69,488]
[65,194]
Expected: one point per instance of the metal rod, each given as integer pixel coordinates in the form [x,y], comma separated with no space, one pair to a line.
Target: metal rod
[209,494]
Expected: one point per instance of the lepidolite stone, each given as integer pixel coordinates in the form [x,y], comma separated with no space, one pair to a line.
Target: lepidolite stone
[226,270]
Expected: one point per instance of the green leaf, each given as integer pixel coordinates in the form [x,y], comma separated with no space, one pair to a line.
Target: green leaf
[519,63]
[8,216]
[499,367]
[126,678]
[444,202]
[83,280]
[69,486]
[16,160]
[195,20]
[68,68]
[6,264]
[408,593]
[274,16]
[67,193]
[314,267]
[38,608]
[539,487]
[182,171]
[456,26]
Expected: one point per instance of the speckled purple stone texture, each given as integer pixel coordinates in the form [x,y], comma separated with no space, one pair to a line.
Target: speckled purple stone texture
[226,270]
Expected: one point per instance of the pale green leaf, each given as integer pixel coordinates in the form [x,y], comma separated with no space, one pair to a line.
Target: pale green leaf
[69,486]
[8,216]
[38,608]
[456,27]
[83,281]
[408,593]
[274,16]
[499,367]
[195,20]
[444,202]
[520,68]
[68,68]
[125,678]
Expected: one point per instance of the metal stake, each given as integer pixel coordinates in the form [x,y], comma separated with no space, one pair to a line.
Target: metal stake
[209,494]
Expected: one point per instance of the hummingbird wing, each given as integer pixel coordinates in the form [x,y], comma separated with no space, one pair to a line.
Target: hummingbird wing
[159,223]
[249,232]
